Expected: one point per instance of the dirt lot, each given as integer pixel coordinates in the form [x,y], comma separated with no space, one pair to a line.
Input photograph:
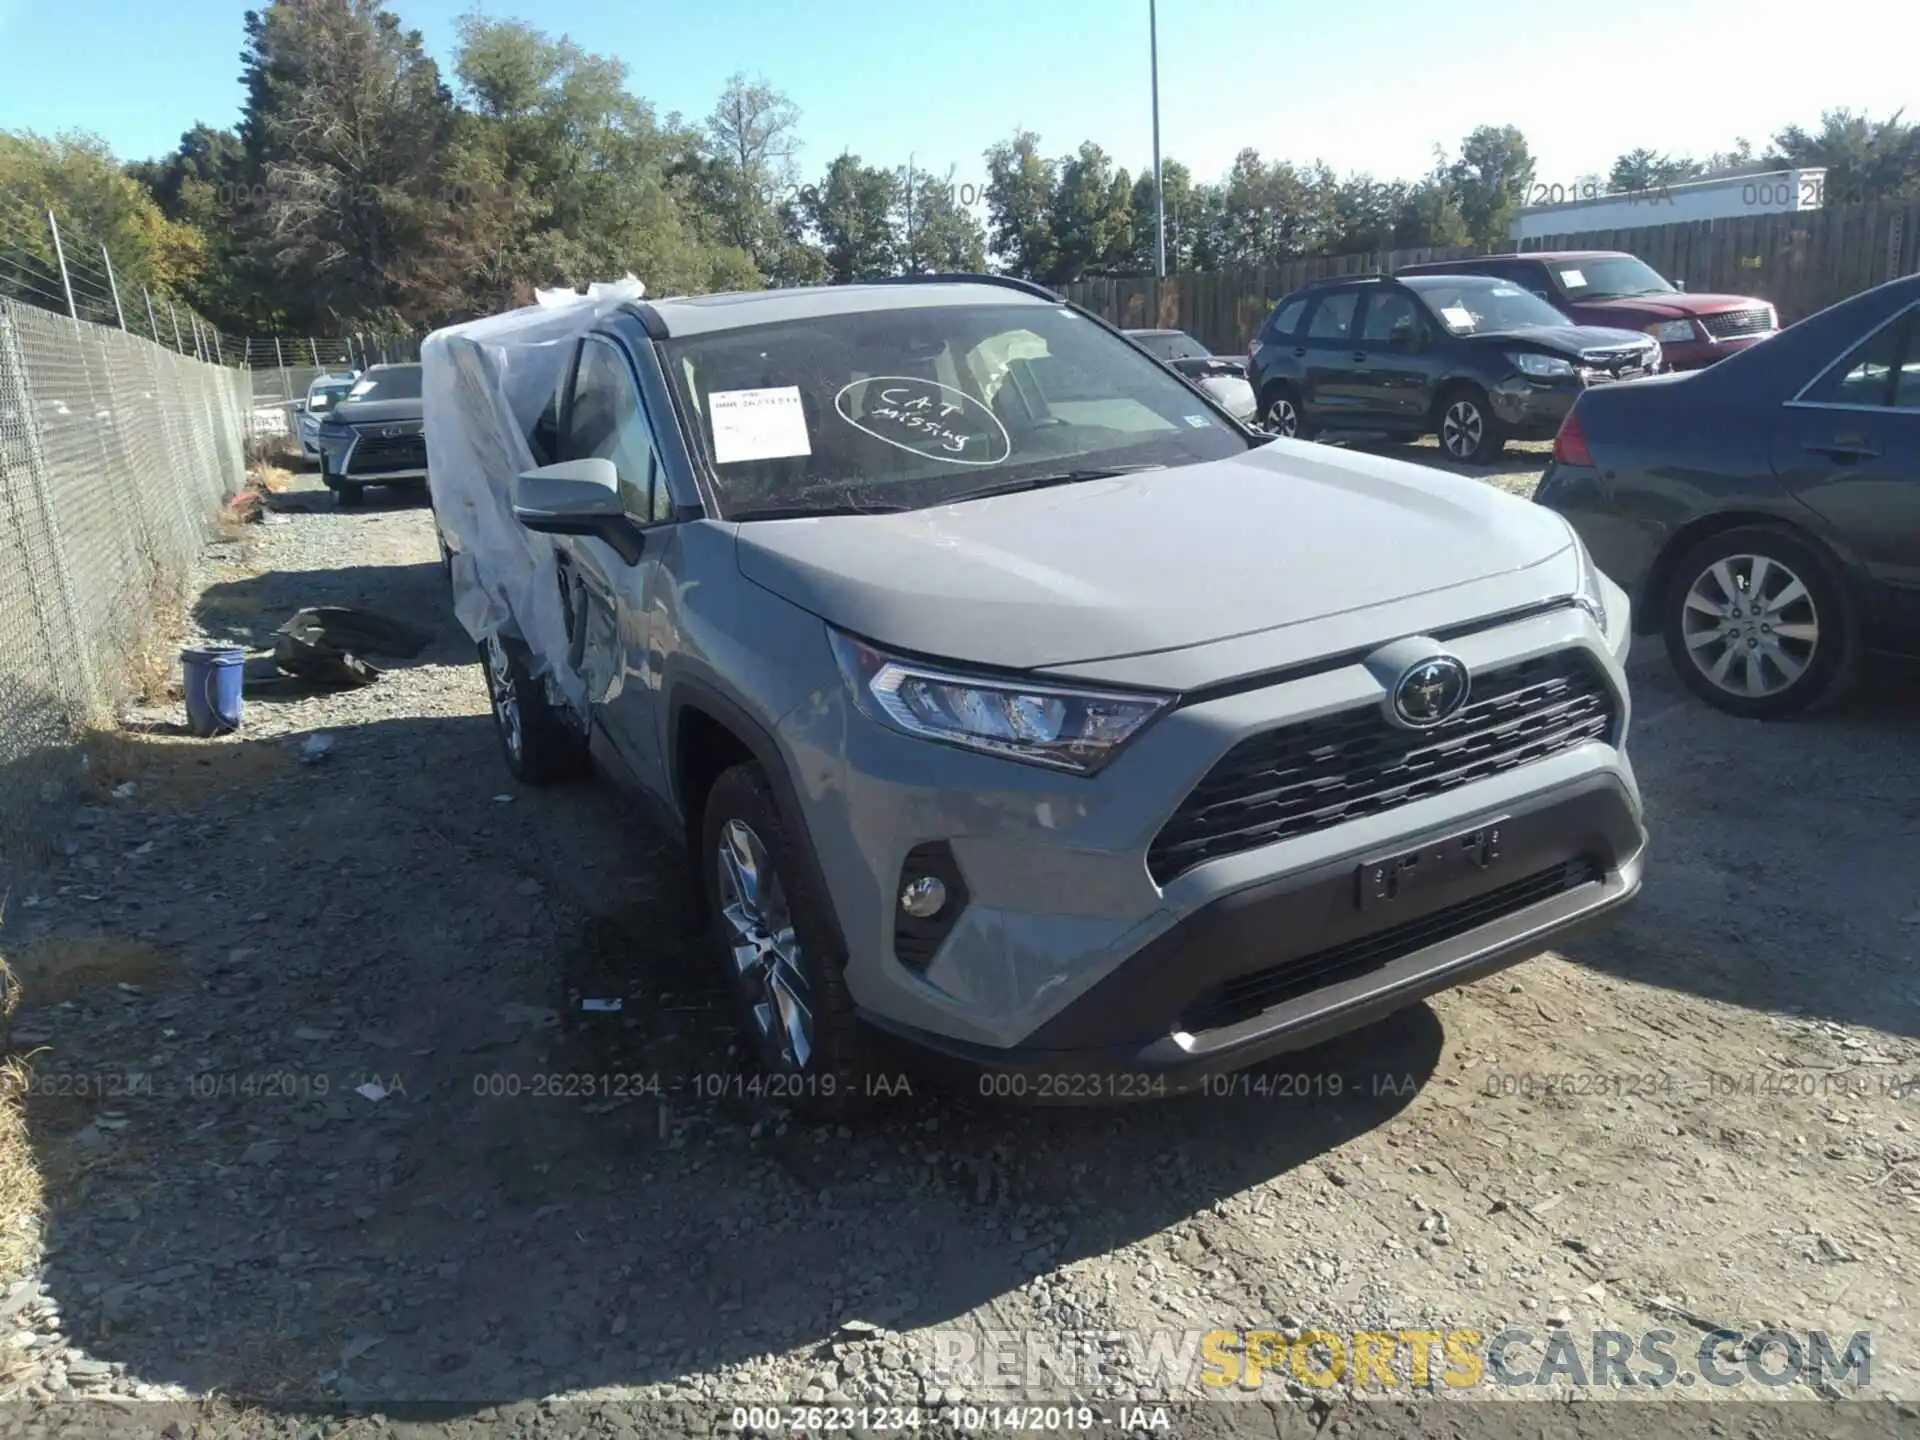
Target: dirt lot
[293,1004]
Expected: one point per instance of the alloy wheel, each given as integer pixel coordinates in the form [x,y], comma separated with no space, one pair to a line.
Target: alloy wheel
[506,698]
[1750,626]
[1462,428]
[1283,418]
[766,953]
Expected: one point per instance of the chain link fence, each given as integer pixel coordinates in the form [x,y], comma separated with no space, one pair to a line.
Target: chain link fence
[116,455]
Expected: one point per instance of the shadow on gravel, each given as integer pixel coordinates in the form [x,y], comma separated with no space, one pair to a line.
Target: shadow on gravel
[246,612]
[1779,867]
[320,501]
[323,1118]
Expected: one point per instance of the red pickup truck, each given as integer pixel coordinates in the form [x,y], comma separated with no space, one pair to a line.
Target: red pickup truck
[1610,287]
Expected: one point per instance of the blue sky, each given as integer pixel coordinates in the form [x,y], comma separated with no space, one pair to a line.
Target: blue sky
[1372,86]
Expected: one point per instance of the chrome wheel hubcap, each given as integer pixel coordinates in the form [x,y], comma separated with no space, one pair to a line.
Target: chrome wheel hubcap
[506,700]
[1462,429]
[1282,419]
[766,954]
[1750,625]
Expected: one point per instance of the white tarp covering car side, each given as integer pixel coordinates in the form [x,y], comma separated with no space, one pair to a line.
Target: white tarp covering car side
[484,385]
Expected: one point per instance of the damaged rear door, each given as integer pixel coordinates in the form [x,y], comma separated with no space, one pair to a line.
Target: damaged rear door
[607,598]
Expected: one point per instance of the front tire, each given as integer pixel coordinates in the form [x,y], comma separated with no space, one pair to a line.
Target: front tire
[349,497]
[1468,429]
[539,741]
[1758,625]
[774,942]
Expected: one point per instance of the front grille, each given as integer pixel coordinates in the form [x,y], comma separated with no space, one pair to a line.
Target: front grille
[1242,998]
[1301,777]
[1618,363]
[1732,324]
[374,452]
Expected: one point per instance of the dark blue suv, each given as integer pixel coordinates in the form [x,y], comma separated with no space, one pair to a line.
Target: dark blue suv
[1474,359]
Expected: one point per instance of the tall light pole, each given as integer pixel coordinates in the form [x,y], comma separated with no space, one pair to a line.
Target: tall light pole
[1159,195]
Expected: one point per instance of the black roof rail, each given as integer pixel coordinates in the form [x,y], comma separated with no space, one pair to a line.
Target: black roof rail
[964,277]
[1343,280]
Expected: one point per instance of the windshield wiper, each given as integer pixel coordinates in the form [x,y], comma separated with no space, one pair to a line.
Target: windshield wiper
[802,512]
[1045,482]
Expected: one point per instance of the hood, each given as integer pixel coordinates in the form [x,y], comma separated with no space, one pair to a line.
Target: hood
[374,412]
[1288,533]
[1641,309]
[1572,341]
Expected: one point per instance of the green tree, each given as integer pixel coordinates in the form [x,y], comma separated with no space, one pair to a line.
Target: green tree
[1183,215]
[1865,159]
[97,203]
[1645,169]
[937,232]
[1490,178]
[1020,186]
[850,215]
[751,139]
[1090,216]
[574,176]
[347,132]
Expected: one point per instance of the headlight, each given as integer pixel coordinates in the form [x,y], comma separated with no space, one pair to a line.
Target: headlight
[1060,727]
[1672,332]
[1773,318]
[1590,590]
[335,429]
[1529,363]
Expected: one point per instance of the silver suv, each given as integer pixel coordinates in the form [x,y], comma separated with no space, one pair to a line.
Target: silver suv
[1020,705]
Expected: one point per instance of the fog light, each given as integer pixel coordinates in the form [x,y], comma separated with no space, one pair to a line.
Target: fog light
[924,898]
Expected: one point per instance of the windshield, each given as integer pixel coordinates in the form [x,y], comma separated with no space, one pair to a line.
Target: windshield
[1480,307]
[402,382]
[925,405]
[1613,277]
[1174,346]
[322,397]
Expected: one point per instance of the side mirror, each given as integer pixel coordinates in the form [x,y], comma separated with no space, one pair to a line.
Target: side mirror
[1679,284]
[577,497]
[1403,337]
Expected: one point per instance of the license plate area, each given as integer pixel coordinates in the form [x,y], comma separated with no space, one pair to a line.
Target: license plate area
[1435,865]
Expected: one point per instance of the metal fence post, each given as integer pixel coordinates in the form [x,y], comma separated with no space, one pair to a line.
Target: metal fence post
[313,346]
[60,254]
[280,360]
[153,325]
[173,314]
[114,285]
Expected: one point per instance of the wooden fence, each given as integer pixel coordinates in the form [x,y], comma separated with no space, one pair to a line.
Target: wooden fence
[1802,262]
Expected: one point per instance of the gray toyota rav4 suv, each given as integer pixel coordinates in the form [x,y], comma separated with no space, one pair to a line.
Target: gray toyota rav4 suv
[1018,704]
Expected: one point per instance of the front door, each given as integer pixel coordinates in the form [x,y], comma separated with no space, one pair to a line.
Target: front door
[608,600]
[1849,446]
[1330,364]
[1395,384]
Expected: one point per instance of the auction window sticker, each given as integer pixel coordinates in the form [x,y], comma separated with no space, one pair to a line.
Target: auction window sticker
[1458,317]
[925,418]
[1572,279]
[768,424]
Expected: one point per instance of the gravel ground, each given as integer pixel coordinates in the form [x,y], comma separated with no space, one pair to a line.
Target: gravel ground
[298,994]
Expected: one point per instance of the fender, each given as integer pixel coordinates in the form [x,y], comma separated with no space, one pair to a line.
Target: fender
[759,742]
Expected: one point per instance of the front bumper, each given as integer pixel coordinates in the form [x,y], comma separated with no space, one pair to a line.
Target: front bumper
[1532,409]
[1295,961]
[1073,948]
[1698,354]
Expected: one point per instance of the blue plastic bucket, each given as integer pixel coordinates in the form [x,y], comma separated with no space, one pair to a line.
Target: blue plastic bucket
[212,679]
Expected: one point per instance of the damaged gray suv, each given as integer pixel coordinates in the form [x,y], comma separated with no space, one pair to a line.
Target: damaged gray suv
[1019,705]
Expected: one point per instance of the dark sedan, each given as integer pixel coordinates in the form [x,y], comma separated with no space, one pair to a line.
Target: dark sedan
[375,435]
[1474,360]
[1764,514]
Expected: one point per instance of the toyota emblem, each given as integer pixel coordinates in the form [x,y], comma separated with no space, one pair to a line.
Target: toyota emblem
[391,431]
[1429,692]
